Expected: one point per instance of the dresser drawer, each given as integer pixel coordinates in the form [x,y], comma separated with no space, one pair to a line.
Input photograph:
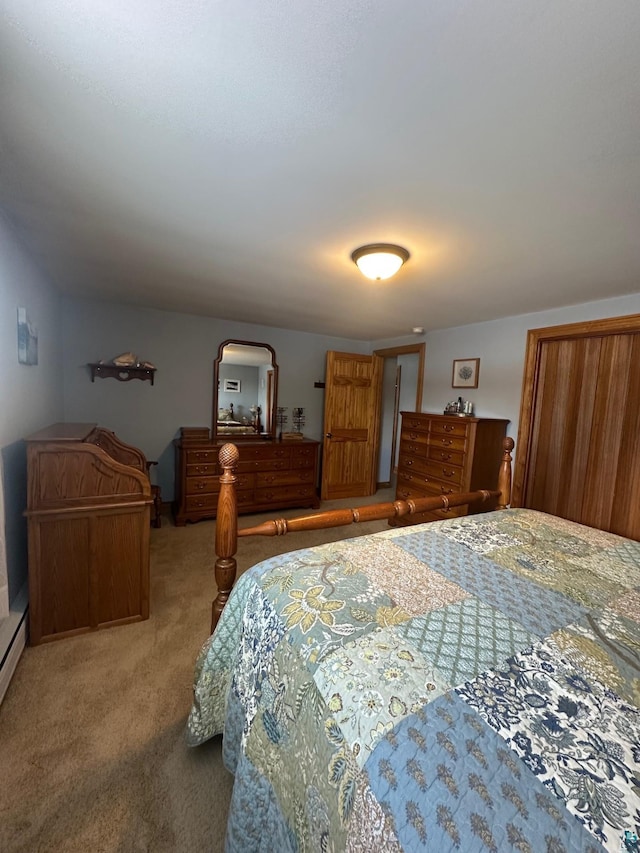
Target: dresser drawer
[452,427]
[196,502]
[265,452]
[413,448]
[211,485]
[196,457]
[426,484]
[445,472]
[287,472]
[410,479]
[303,457]
[203,469]
[408,493]
[414,436]
[440,514]
[447,441]
[416,422]
[284,478]
[288,494]
[437,488]
[202,485]
[412,464]
[249,465]
[442,453]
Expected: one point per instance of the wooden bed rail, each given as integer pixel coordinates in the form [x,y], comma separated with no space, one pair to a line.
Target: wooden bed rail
[227,532]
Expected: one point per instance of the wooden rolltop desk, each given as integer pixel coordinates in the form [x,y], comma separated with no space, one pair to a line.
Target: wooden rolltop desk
[88,513]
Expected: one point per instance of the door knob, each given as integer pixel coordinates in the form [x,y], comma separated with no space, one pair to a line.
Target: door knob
[329,435]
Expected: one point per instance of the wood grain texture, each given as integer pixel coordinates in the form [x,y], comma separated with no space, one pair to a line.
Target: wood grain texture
[88,521]
[351,425]
[414,509]
[578,448]
[444,454]
[276,466]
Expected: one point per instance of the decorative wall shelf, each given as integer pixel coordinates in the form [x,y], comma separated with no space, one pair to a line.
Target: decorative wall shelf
[122,374]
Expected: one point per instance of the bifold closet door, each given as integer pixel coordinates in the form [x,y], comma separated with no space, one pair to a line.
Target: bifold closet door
[584,451]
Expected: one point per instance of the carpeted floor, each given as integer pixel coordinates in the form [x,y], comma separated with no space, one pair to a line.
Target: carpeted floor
[92,751]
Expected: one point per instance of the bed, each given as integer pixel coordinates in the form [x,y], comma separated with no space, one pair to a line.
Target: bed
[468,684]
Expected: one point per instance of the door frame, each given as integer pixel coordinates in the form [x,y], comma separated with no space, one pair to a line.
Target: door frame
[536,338]
[393,352]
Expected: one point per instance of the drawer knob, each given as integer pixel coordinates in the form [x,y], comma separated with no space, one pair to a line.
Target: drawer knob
[449,427]
[449,473]
[447,442]
[445,456]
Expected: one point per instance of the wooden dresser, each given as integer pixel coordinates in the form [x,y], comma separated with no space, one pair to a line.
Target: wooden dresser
[88,513]
[271,475]
[442,454]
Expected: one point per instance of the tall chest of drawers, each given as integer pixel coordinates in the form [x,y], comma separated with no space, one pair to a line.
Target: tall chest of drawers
[270,475]
[442,454]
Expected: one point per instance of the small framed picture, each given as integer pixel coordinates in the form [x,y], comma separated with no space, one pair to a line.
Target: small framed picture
[465,372]
[232,386]
[27,339]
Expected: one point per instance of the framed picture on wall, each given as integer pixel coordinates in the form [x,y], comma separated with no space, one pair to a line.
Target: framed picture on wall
[27,339]
[232,386]
[465,372]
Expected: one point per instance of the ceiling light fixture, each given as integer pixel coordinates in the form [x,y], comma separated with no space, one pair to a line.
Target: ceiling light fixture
[379,260]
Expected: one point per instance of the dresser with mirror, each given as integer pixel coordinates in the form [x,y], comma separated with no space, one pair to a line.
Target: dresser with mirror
[271,474]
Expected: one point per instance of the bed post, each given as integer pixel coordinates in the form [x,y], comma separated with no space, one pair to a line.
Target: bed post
[226,531]
[504,475]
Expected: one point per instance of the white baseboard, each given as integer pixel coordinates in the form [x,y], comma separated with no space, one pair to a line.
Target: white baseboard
[13,639]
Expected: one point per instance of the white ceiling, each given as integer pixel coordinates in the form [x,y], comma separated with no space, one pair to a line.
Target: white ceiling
[225,157]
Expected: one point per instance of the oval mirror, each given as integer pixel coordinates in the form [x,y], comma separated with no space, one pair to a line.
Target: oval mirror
[245,386]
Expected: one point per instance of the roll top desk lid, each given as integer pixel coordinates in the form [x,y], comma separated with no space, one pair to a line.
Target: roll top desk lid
[79,466]
[63,432]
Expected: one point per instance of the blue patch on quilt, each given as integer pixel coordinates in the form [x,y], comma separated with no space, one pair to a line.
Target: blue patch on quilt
[448,781]
[539,610]
[231,742]
[463,639]
[256,823]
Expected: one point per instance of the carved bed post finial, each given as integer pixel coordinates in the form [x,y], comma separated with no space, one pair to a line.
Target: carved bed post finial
[226,531]
[504,476]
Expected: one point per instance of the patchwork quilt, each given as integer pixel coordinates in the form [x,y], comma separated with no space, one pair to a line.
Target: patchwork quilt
[471,684]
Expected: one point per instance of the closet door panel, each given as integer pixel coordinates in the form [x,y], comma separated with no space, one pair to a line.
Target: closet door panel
[563,407]
[606,435]
[612,493]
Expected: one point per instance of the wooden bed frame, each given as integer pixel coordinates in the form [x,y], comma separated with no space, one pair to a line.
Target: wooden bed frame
[227,531]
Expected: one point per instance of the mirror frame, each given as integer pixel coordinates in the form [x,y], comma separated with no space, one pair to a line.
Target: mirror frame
[264,435]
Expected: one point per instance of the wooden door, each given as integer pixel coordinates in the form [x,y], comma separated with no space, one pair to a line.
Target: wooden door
[351,425]
[579,436]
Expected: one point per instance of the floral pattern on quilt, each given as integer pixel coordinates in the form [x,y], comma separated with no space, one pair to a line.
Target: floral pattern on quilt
[410,583]
[605,646]
[371,683]
[470,684]
[446,781]
[325,601]
[576,735]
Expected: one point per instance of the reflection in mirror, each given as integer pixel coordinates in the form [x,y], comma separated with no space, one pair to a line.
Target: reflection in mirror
[245,383]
